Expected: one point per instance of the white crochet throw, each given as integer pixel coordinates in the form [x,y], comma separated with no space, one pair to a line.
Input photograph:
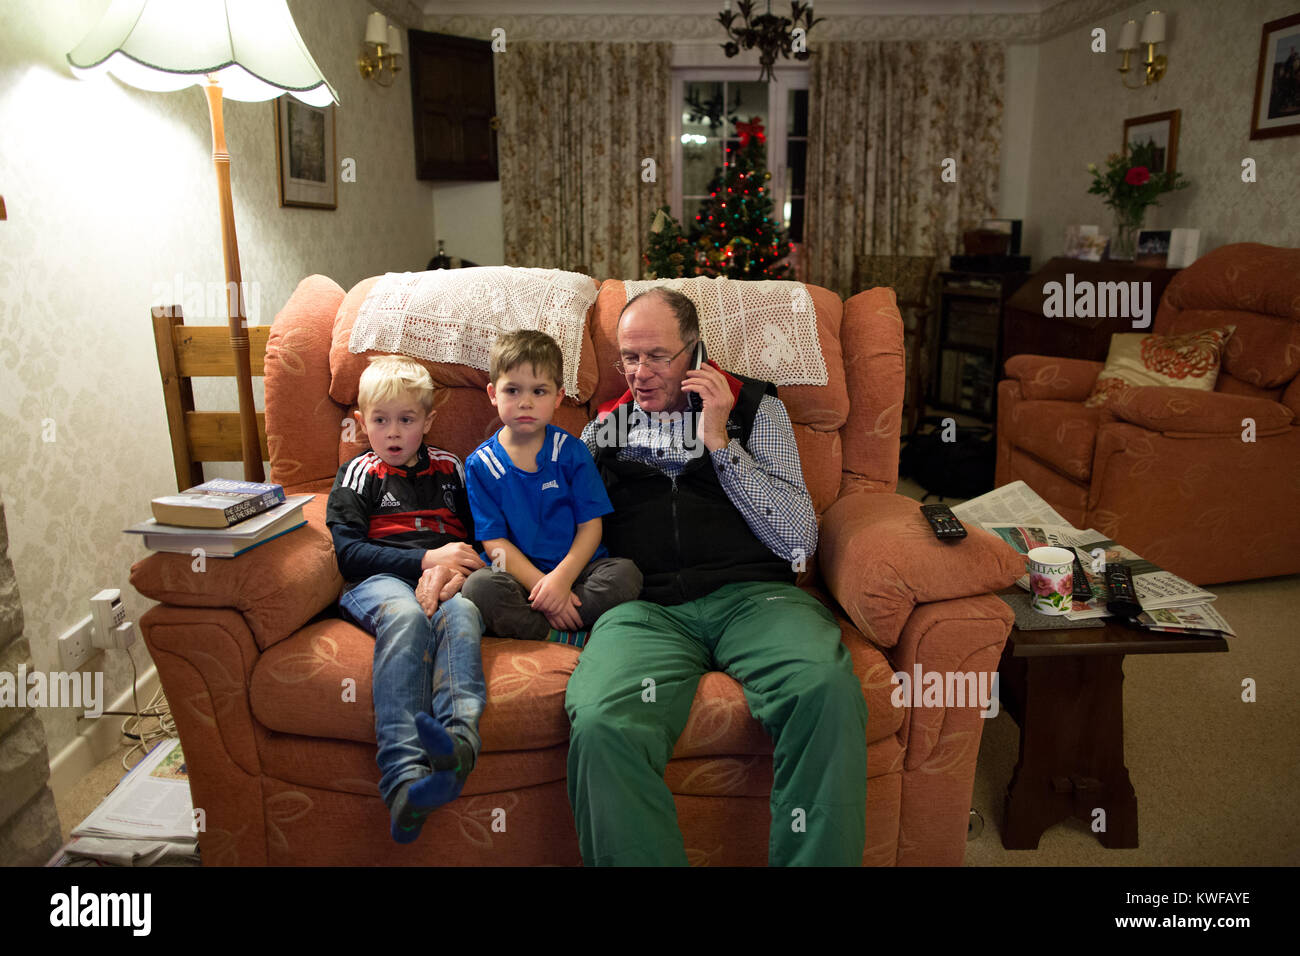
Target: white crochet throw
[765,330]
[454,315]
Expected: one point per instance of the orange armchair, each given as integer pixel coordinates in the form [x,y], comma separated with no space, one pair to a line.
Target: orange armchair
[1169,472]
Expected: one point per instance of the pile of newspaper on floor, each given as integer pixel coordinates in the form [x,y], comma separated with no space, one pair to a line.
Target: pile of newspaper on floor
[1017,515]
[147,820]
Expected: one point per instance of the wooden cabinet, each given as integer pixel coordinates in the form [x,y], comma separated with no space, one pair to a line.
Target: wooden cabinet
[968,348]
[1027,330]
[453,97]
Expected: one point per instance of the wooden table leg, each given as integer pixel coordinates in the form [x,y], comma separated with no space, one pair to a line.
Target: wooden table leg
[1071,752]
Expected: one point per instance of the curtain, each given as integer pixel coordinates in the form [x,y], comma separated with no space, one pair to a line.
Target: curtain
[578,121]
[883,118]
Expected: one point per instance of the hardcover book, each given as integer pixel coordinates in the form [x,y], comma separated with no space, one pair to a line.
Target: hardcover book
[218,503]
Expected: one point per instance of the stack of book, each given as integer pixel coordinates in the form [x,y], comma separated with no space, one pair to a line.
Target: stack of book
[222,517]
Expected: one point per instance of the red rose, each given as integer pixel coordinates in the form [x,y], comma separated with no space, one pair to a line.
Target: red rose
[1138,176]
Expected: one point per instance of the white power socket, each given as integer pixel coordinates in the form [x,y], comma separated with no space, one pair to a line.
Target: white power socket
[75,646]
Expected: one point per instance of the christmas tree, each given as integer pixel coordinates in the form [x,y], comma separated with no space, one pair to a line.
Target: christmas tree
[735,233]
[670,256]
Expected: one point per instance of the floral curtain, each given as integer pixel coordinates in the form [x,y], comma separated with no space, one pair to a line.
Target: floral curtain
[883,118]
[578,122]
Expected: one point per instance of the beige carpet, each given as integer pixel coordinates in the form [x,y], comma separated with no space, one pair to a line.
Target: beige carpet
[1216,778]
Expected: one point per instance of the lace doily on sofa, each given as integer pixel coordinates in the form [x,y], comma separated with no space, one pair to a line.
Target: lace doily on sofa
[454,315]
[765,330]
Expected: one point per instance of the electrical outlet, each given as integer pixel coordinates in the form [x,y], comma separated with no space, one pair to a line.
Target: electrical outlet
[75,646]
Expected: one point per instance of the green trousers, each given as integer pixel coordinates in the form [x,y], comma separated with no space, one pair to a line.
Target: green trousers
[631,693]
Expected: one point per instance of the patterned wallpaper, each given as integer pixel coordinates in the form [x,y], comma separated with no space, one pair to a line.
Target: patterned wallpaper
[111,196]
[1080,109]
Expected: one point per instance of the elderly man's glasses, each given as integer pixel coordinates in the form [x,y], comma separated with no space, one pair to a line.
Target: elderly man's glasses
[657,364]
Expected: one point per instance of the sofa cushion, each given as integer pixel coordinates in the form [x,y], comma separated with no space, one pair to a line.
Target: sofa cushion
[298,687]
[1188,361]
[1060,433]
[1254,287]
[346,367]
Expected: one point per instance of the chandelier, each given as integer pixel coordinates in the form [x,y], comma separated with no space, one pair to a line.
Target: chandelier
[771,34]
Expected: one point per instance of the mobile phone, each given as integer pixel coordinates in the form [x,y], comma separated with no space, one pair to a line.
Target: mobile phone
[693,398]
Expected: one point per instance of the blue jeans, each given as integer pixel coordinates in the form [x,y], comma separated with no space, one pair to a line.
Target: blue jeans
[421,663]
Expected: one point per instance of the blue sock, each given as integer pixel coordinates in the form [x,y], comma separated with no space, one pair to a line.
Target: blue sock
[452,758]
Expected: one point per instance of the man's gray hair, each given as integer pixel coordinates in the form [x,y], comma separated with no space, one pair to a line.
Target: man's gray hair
[688,320]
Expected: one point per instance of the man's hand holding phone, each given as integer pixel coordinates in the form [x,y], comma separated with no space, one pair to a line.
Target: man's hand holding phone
[708,393]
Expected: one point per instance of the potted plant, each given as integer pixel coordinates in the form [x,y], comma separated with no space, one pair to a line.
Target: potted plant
[1130,187]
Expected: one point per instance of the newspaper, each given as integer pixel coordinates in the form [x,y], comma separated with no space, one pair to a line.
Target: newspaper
[1155,587]
[119,852]
[1015,503]
[1197,619]
[152,802]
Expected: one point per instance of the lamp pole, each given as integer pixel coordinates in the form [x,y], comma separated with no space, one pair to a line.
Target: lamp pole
[249,439]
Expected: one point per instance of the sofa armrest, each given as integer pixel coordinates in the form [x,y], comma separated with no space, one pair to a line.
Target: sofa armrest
[880,559]
[1052,377]
[277,587]
[1182,412]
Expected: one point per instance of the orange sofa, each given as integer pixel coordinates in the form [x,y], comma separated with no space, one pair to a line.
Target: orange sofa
[1166,472]
[259,669]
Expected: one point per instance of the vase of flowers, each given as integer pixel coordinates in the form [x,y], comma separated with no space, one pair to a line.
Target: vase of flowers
[1130,187]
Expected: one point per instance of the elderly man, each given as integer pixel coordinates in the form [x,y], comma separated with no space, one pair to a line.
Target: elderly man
[713,509]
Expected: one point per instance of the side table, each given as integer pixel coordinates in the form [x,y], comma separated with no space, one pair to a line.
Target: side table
[1064,689]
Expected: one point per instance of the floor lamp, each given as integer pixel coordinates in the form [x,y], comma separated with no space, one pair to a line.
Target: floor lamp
[241,49]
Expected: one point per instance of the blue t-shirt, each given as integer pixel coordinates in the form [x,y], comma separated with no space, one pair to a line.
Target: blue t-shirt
[538,511]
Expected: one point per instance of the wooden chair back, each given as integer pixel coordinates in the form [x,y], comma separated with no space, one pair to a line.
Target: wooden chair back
[188,351]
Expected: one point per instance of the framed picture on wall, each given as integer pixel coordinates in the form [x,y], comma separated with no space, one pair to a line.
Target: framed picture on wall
[1160,129]
[304,154]
[1277,82]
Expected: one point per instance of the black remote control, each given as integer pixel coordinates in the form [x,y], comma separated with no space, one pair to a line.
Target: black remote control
[1123,597]
[944,522]
[1082,592]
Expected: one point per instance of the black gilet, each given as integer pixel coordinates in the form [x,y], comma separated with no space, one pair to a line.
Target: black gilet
[685,535]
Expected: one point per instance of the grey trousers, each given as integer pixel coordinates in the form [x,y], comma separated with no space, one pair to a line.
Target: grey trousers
[503,601]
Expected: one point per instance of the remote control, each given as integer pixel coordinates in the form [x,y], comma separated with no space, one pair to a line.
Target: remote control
[944,522]
[1082,592]
[1123,598]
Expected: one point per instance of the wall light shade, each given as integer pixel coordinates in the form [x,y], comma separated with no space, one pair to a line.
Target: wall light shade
[1153,27]
[251,46]
[1128,36]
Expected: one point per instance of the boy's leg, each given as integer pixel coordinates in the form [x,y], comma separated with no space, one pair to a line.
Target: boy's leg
[784,648]
[459,690]
[603,584]
[504,605]
[628,700]
[385,606]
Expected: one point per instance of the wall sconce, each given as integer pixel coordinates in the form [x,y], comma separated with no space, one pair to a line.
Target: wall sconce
[1153,32]
[382,48]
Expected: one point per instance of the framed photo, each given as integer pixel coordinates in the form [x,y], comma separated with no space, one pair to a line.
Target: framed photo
[1152,248]
[1277,83]
[1160,129]
[304,154]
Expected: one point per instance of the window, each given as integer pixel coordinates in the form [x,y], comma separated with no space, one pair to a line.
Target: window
[709,103]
